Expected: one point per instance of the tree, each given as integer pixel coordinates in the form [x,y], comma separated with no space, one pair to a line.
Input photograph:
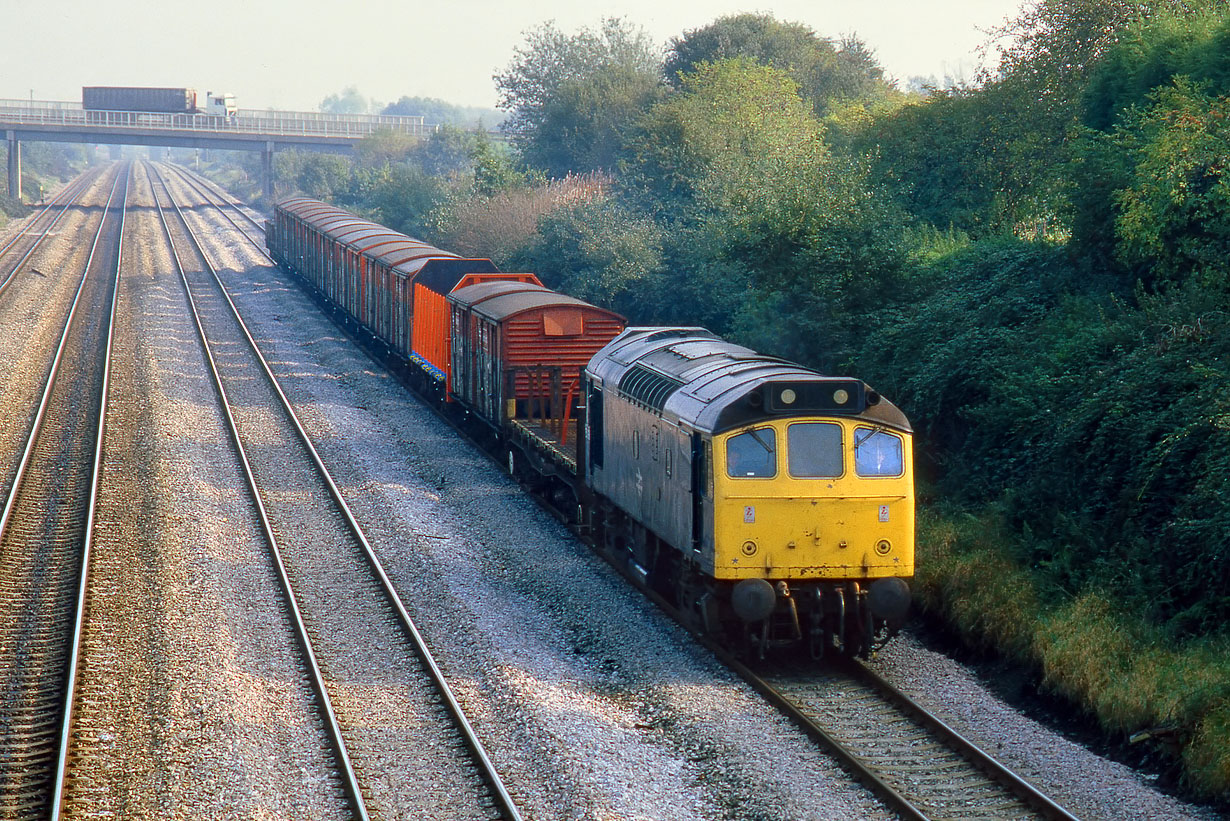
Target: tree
[763,215]
[1174,219]
[734,129]
[438,112]
[386,146]
[585,125]
[349,101]
[1116,204]
[599,251]
[322,176]
[824,71]
[1054,48]
[407,199]
[570,97]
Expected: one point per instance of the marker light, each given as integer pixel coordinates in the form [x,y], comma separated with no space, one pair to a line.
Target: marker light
[840,396]
[788,397]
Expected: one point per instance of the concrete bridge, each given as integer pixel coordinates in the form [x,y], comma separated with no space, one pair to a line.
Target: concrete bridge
[249,130]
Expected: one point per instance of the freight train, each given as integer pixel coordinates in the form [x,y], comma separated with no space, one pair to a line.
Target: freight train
[157,100]
[774,506]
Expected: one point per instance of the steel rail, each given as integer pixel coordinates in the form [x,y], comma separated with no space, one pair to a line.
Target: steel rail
[489,772]
[96,472]
[28,452]
[65,197]
[40,417]
[967,749]
[354,794]
[208,189]
[62,197]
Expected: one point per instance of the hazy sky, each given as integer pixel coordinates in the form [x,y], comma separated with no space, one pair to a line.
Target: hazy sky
[291,54]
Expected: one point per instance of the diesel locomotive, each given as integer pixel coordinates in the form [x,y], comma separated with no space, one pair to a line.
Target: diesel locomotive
[773,505]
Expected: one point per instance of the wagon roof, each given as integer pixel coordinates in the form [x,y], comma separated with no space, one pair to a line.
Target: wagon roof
[713,385]
[380,243]
[502,299]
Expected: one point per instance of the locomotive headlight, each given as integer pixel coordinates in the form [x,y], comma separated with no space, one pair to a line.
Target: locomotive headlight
[841,396]
[788,397]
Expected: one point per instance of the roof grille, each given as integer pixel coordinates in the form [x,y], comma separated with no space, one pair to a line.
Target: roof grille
[648,387]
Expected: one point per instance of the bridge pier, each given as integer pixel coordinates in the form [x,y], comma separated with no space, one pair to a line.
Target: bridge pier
[267,170]
[14,146]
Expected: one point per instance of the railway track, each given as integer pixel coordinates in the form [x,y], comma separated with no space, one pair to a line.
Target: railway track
[919,766]
[251,228]
[396,730]
[910,756]
[46,531]
[21,247]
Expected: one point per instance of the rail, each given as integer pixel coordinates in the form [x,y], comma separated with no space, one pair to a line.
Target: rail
[500,798]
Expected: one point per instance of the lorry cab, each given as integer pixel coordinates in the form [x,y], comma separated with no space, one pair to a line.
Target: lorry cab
[221,104]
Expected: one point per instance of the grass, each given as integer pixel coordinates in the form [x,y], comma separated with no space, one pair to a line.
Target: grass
[1123,672]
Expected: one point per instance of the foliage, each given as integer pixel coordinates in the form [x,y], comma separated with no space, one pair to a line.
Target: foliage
[322,176]
[348,101]
[995,158]
[1149,55]
[408,199]
[500,223]
[596,250]
[1173,218]
[825,71]
[591,84]
[734,126]
[584,126]
[1134,679]
[439,112]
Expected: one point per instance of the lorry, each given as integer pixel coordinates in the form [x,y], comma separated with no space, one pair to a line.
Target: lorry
[159,100]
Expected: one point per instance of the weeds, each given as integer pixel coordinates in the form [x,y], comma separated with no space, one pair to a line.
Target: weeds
[1137,684]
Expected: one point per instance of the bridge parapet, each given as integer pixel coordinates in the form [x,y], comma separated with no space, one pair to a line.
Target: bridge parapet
[274,124]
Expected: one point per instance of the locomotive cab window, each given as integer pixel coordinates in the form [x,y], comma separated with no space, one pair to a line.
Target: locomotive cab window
[752,454]
[814,450]
[878,453]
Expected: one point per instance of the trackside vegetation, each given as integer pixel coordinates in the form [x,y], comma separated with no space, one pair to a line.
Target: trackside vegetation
[1035,265]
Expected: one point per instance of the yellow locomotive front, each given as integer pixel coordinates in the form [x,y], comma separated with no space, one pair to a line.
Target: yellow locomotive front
[814,498]
[813,523]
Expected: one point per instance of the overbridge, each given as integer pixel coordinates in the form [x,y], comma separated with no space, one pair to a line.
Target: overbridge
[249,130]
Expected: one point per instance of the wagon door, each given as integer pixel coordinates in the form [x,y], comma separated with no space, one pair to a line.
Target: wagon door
[487,369]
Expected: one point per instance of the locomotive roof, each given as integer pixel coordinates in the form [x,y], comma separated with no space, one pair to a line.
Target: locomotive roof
[500,299]
[404,254]
[691,375]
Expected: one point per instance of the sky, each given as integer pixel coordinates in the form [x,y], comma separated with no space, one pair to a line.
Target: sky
[291,54]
